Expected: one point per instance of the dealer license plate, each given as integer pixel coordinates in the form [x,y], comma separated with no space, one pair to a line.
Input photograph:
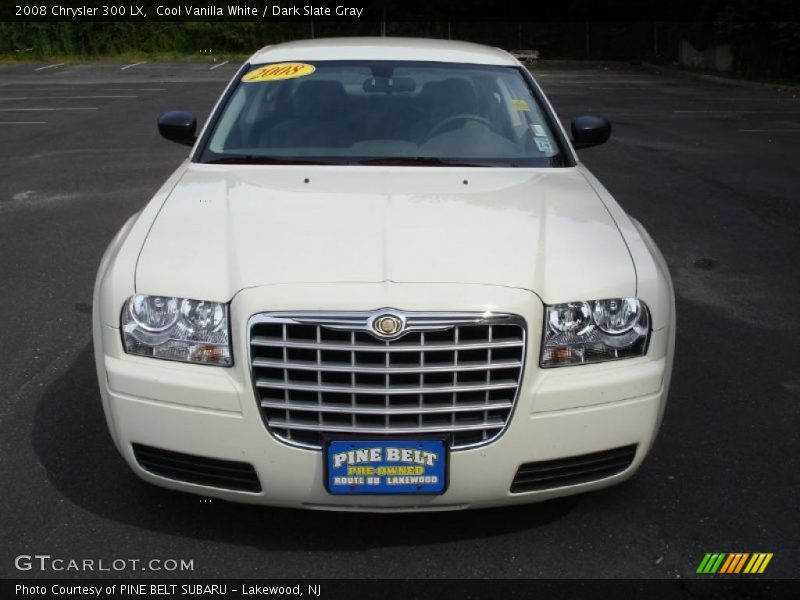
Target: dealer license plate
[386,467]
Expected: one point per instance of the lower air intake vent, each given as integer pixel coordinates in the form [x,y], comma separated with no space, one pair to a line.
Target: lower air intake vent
[225,474]
[573,470]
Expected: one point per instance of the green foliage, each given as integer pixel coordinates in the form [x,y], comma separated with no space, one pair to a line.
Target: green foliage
[31,40]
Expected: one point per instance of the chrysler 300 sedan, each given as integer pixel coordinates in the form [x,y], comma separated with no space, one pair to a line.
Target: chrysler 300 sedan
[383,281]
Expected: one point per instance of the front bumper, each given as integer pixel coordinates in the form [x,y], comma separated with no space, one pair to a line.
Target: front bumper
[212,411]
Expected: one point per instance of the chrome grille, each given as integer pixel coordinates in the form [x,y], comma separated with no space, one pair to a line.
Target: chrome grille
[453,375]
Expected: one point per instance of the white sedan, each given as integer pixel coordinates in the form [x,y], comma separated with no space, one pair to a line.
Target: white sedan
[383,281]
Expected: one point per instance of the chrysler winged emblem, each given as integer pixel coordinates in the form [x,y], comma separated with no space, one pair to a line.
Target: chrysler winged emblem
[387,325]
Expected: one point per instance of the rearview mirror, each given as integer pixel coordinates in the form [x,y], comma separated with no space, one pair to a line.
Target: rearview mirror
[389,85]
[178,126]
[590,131]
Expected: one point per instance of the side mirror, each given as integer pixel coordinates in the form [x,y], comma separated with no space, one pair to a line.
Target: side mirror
[178,126]
[590,131]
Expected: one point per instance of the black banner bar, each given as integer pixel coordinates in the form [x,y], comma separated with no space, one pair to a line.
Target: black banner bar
[417,589]
[252,11]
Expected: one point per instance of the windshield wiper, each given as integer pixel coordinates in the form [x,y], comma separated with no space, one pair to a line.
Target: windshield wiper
[419,160]
[253,159]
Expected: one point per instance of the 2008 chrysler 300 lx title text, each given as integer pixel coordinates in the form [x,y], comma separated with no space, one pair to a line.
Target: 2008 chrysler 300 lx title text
[383,281]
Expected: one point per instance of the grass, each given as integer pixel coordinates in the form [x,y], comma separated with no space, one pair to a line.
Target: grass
[776,82]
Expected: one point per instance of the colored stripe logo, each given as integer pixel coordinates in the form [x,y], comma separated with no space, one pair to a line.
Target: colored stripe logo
[734,563]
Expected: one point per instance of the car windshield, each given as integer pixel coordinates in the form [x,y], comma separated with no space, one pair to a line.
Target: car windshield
[379,112]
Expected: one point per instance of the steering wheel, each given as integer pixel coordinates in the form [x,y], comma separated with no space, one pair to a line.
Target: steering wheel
[436,129]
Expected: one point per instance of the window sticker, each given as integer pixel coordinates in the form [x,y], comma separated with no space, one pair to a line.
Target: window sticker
[279,71]
[520,104]
[538,130]
[543,144]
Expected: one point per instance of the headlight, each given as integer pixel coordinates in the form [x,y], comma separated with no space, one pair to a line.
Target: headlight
[595,331]
[177,329]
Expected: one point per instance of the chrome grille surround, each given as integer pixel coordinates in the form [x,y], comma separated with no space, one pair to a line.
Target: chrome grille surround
[320,375]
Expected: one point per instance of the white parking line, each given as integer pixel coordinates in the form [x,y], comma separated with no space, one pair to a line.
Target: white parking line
[22,122]
[104,97]
[50,109]
[760,98]
[133,65]
[770,130]
[49,67]
[219,65]
[136,89]
[60,97]
[739,112]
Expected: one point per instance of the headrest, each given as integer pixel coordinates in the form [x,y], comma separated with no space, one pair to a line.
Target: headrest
[450,96]
[319,99]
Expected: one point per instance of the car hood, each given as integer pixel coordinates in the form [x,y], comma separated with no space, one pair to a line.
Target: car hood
[224,228]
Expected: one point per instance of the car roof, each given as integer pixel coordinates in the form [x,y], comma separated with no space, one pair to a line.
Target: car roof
[383,48]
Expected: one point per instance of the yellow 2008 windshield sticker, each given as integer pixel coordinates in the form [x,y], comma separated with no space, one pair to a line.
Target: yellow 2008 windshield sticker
[520,104]
[279,71]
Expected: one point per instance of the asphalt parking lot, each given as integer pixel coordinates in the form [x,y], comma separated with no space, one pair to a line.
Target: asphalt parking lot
[710,169]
